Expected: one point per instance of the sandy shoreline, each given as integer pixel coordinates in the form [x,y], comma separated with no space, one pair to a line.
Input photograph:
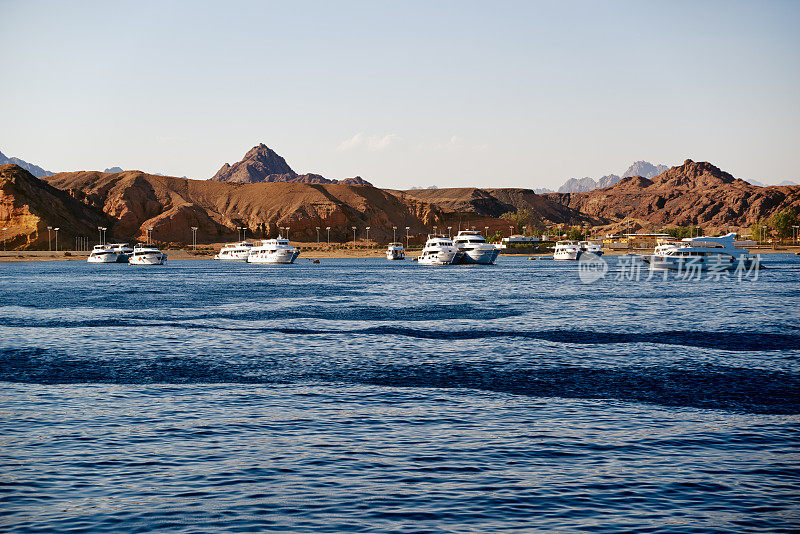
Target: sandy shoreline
[44,255]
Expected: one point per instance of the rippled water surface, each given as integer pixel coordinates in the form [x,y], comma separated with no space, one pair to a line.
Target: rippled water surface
[375,396]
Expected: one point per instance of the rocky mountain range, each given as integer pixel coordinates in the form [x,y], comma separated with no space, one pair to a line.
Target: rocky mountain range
[128,201]
[692,193]
[35,170]
[262,165]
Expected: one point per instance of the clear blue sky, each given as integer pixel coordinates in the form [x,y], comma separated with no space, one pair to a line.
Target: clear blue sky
[404,93]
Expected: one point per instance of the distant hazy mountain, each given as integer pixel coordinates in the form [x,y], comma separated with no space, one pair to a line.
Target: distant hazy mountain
[578,185]
[608,180]
[583,185]
[30,167]
[542,191]
[644,169]
[789,182]
[113,169]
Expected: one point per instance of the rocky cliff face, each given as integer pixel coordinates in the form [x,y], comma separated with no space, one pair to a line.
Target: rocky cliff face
[262,165]
[29,205]
[692,193]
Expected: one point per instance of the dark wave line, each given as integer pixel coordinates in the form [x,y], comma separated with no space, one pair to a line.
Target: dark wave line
[739,341]
[708,386]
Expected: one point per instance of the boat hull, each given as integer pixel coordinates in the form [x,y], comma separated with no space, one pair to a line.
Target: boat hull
[440,258]
[148,259]
[477,257]
[232,257]
[108,258]
[567,255]
[277,258]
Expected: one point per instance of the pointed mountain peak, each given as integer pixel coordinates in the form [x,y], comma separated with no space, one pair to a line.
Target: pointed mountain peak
[258,164]
[695,173]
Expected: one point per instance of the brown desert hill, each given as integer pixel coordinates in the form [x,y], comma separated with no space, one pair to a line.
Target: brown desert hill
[262,164]
[692,193]
[136,200]
[28,205]
[495,202]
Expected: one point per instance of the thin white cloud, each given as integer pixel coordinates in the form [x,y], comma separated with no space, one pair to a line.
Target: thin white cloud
[374,143]
[352,143]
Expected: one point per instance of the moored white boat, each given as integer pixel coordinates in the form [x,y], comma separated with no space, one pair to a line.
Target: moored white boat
[395,251]
[438,250]
[473,248]
[147,255]
[276,251]
[703,253]
[591,247]
[235,251]
[111,253]
[567,250]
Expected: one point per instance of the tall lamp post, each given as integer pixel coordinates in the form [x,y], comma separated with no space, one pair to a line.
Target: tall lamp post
[99,235]
[510,231]
[49,246]
[317,235]
[407,228]
[795,228]
[149,234]
[4,238]
[394,234]
[328,228]
[486,231]
[354,237]
[449,231]
[194,238]
[367,228]
[56,230]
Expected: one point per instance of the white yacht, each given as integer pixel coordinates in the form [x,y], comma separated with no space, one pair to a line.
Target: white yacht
[395,252]
[111,253]
[473,248]
[438,250]
[591,247]
[147,255]
[273,251]
[235,251]
[567,250]
[699,253]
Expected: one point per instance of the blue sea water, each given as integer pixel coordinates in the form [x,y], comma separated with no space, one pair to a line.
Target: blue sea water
[375,396]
